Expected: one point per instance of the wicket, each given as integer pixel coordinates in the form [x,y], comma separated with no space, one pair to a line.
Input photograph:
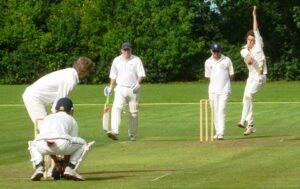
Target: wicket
[207,120]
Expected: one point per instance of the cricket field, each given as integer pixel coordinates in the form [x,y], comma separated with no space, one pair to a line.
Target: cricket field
[167,153]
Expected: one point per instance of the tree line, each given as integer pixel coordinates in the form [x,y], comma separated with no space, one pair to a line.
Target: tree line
[172,37]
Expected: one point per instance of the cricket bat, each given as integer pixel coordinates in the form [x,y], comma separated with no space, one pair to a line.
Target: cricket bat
[106,112]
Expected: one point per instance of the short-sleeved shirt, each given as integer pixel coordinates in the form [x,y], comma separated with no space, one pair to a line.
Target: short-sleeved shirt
[58,125]
[53,86]
[127,71]
[219,72]
[259,65]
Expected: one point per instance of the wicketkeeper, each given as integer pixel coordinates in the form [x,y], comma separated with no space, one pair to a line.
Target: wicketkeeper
[59,136]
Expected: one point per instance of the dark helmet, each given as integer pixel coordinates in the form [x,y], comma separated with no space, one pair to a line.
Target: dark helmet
[64,104]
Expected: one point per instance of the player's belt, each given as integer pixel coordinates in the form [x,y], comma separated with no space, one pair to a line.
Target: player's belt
[52,139]
[126,86]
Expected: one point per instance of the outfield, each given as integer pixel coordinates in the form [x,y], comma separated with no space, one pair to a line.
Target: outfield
[168,153]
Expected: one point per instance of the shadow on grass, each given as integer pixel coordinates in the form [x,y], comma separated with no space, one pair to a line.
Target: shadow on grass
[105,178]
[111,175]
[252,136]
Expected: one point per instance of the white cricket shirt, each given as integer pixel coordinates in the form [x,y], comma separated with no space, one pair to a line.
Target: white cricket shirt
[53,86]
[127,71]
[58,125]
[218,72]
[258,55]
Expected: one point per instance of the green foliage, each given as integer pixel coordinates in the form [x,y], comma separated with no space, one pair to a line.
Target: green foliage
[240,69]
[296,15]
[287,69]
[172,37]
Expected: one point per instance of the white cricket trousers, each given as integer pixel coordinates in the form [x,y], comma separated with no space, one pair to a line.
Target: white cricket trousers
[253,85]
[66,145]
[219,102]
[125,95]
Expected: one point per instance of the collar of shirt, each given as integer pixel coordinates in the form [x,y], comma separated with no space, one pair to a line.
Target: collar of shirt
[219,60]
[124,59]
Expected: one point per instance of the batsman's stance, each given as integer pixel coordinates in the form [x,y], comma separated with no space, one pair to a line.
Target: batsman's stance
[59,136]
[127,73]
[255,60]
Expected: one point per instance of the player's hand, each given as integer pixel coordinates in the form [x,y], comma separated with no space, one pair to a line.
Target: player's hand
[254,10]
[248,60]
[107,91]
[136,88]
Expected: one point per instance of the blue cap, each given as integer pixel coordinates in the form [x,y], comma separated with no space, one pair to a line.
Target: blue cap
[215,47]
[64,104]
[126,45]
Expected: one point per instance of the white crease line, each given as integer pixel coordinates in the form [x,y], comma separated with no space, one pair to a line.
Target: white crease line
[161,176]
[162,103]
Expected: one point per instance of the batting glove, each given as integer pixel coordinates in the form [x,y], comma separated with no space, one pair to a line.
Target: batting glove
[107,91]
[136,88]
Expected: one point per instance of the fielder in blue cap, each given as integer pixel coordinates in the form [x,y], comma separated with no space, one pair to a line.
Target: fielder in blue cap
[219,71]
[216,47]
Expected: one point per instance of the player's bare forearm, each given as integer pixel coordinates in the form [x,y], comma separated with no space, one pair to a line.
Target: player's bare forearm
[140,79]
[112,83]
[255,26]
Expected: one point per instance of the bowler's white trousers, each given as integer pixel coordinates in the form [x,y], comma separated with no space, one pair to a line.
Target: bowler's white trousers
[253,85]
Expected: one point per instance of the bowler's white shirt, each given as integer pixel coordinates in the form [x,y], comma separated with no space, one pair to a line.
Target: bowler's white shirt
[127,71]
[58,125]
[218,72]
[53,86]
[257,54]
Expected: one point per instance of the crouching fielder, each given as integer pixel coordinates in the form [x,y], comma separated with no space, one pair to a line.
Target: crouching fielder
[58,136]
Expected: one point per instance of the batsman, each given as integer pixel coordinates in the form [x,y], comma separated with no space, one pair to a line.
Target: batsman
[126,73]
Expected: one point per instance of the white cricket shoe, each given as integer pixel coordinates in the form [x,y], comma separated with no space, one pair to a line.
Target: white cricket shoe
[132,138]
[38,174]
[218,137]
[113,136]
[241,124]
[249,130]
[215,137]
[72,174]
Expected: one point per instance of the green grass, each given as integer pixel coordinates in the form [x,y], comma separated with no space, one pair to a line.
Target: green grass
[168,153]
